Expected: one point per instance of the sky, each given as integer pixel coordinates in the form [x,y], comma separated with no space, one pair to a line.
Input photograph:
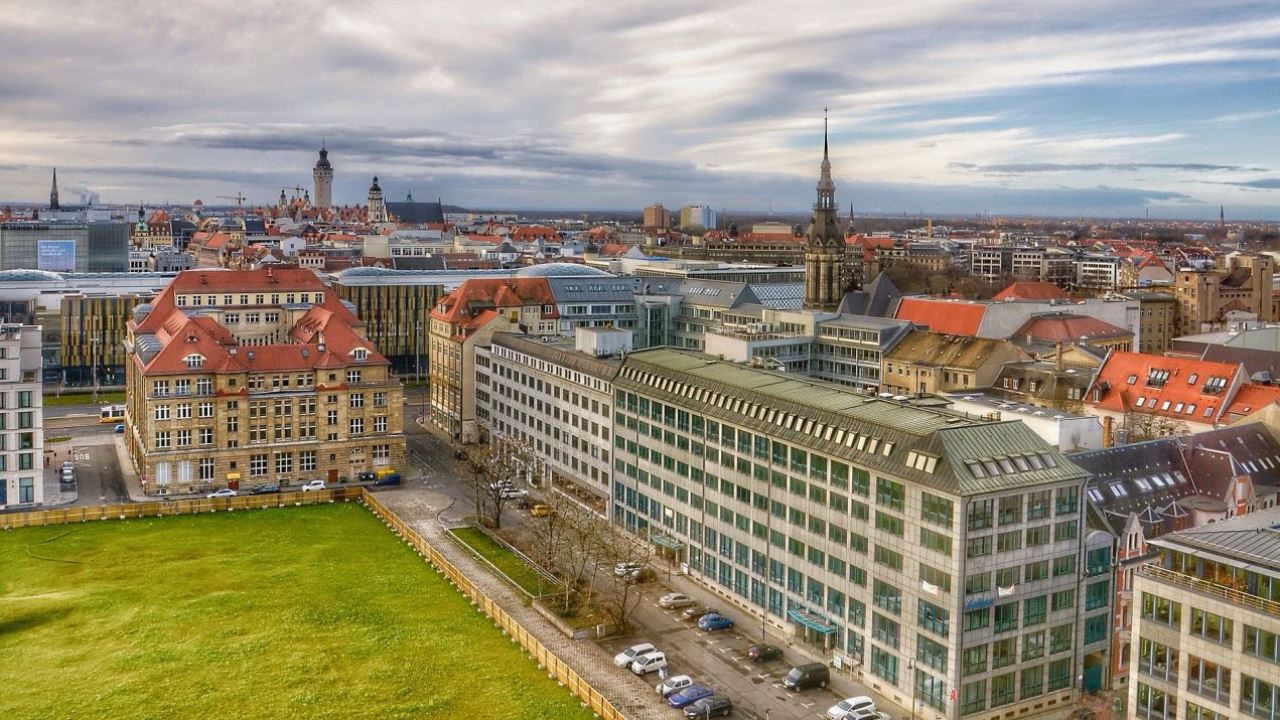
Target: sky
[1054,107]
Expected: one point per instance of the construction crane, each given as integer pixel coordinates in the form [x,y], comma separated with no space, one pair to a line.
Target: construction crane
[238,197]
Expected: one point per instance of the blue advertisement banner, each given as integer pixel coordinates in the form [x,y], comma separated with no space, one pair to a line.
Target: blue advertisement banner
[56,255]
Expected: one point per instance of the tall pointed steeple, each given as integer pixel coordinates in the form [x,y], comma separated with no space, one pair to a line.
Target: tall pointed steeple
[322,176]
[824,243]
[53,193]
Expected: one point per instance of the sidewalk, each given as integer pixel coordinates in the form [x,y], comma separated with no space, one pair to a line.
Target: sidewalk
[132,484]
[633,696]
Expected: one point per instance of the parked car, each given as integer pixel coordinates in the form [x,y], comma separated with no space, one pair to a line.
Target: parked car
[541,510]
[714,706]
[714,621]
[642,575]
[459,454]
[808,675]
[264,489]
[366,476]
[223,493]
[119,428]
[388,479]
[673,684]
[510,493]
[624,568]
[649,662]
[675,600]
[689,696]
[625,658]
[695,611]
[313,485]
[867,714]
[501,484]
[760,652]
[849,706]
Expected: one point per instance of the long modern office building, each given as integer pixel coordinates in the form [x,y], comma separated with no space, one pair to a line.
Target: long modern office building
[942,557]
[1207,623]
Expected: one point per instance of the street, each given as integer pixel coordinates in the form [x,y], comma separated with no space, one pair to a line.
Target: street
[717,659]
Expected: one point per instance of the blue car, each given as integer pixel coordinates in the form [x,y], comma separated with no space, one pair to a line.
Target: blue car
[119,428]
[689,695]
[714,621]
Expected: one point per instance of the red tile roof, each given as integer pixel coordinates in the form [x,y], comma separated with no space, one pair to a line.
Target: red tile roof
[526,233]
[1251,398]
[1067,327]
[465,306]
[949,317]
[1024,290]
[1167,386]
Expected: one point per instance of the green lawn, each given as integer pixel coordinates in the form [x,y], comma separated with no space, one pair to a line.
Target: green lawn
[84,398]
[314,612]
[503,559]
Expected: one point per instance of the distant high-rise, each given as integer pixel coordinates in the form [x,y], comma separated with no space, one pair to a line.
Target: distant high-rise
[323,177]
[656,216]
[824,244]
[53,193]
[698,216]
[377,207]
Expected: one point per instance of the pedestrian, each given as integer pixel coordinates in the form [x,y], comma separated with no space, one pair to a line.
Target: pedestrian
[662,674]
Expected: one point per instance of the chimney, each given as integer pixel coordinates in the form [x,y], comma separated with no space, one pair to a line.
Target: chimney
[1059,363]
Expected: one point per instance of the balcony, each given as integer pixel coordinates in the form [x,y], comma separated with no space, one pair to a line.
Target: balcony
[1223,593]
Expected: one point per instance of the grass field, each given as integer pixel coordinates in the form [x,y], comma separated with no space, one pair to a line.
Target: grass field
[316,612]
[84,398]
[503,559]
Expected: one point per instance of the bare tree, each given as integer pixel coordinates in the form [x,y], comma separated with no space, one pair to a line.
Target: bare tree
[1144,426]
[499,470]
[617,547]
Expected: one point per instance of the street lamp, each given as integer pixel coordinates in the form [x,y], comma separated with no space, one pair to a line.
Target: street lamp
[911,666]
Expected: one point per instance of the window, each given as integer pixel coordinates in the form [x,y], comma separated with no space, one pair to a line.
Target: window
[981,514]
[1006,617]
[974,698]
[380,424]
[885,665]
[936,510]
[1002,690]
[887,597]
[1208,679]
[978,547]
[1060,638]
[162,412]
[935,541]
[357,400]
[1210,626]
[307,461]
[1010,509]
[206,469]
[1037,535]
[884,630]
[1096,594]
[933,618]
[163,439]
[1009,541]
[1259,698]
[1066,500]
[1153,704]
[284,463]
[1261,643]
[1032,682]
[1195,712]
[889,493]
[1034,610]
[888,558]
[257,465]
[974,660]
[889,523]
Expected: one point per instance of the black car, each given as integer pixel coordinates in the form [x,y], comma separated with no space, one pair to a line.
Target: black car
[716,705]
[760,652]
[365,476]
[264,489]
[389,479]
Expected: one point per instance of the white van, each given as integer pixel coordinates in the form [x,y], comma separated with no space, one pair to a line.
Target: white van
[652,662]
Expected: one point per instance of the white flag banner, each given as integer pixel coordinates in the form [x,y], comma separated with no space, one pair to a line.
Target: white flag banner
[931,589]
[1006,592]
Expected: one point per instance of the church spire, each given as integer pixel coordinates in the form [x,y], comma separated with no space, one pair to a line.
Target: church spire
[53,193]
[824,244]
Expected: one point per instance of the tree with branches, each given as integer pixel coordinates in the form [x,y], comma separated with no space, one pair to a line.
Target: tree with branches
[500,470]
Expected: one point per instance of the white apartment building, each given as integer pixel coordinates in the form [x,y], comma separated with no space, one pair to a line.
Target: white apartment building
[21,417]
[544,392]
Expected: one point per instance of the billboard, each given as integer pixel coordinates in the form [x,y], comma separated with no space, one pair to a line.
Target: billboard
[56,255]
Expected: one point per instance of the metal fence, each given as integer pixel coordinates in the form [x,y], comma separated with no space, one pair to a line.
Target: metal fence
[161,508]
[556,667]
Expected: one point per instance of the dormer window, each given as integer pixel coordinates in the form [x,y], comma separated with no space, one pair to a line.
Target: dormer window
[195,361]
[360,354]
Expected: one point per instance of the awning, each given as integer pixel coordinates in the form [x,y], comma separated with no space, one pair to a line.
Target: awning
[667,541]
[811,621]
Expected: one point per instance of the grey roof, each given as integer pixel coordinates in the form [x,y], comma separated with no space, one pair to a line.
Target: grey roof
[1252,539]
[607,289]
[695,380]
[561,352]
[716,293]
[418,262]
[417,212]
[781,296]
[880,298]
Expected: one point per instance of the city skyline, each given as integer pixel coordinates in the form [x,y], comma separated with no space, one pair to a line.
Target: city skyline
[1111,109]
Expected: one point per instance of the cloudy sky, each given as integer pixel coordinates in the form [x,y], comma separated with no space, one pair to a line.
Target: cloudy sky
[1065,107]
